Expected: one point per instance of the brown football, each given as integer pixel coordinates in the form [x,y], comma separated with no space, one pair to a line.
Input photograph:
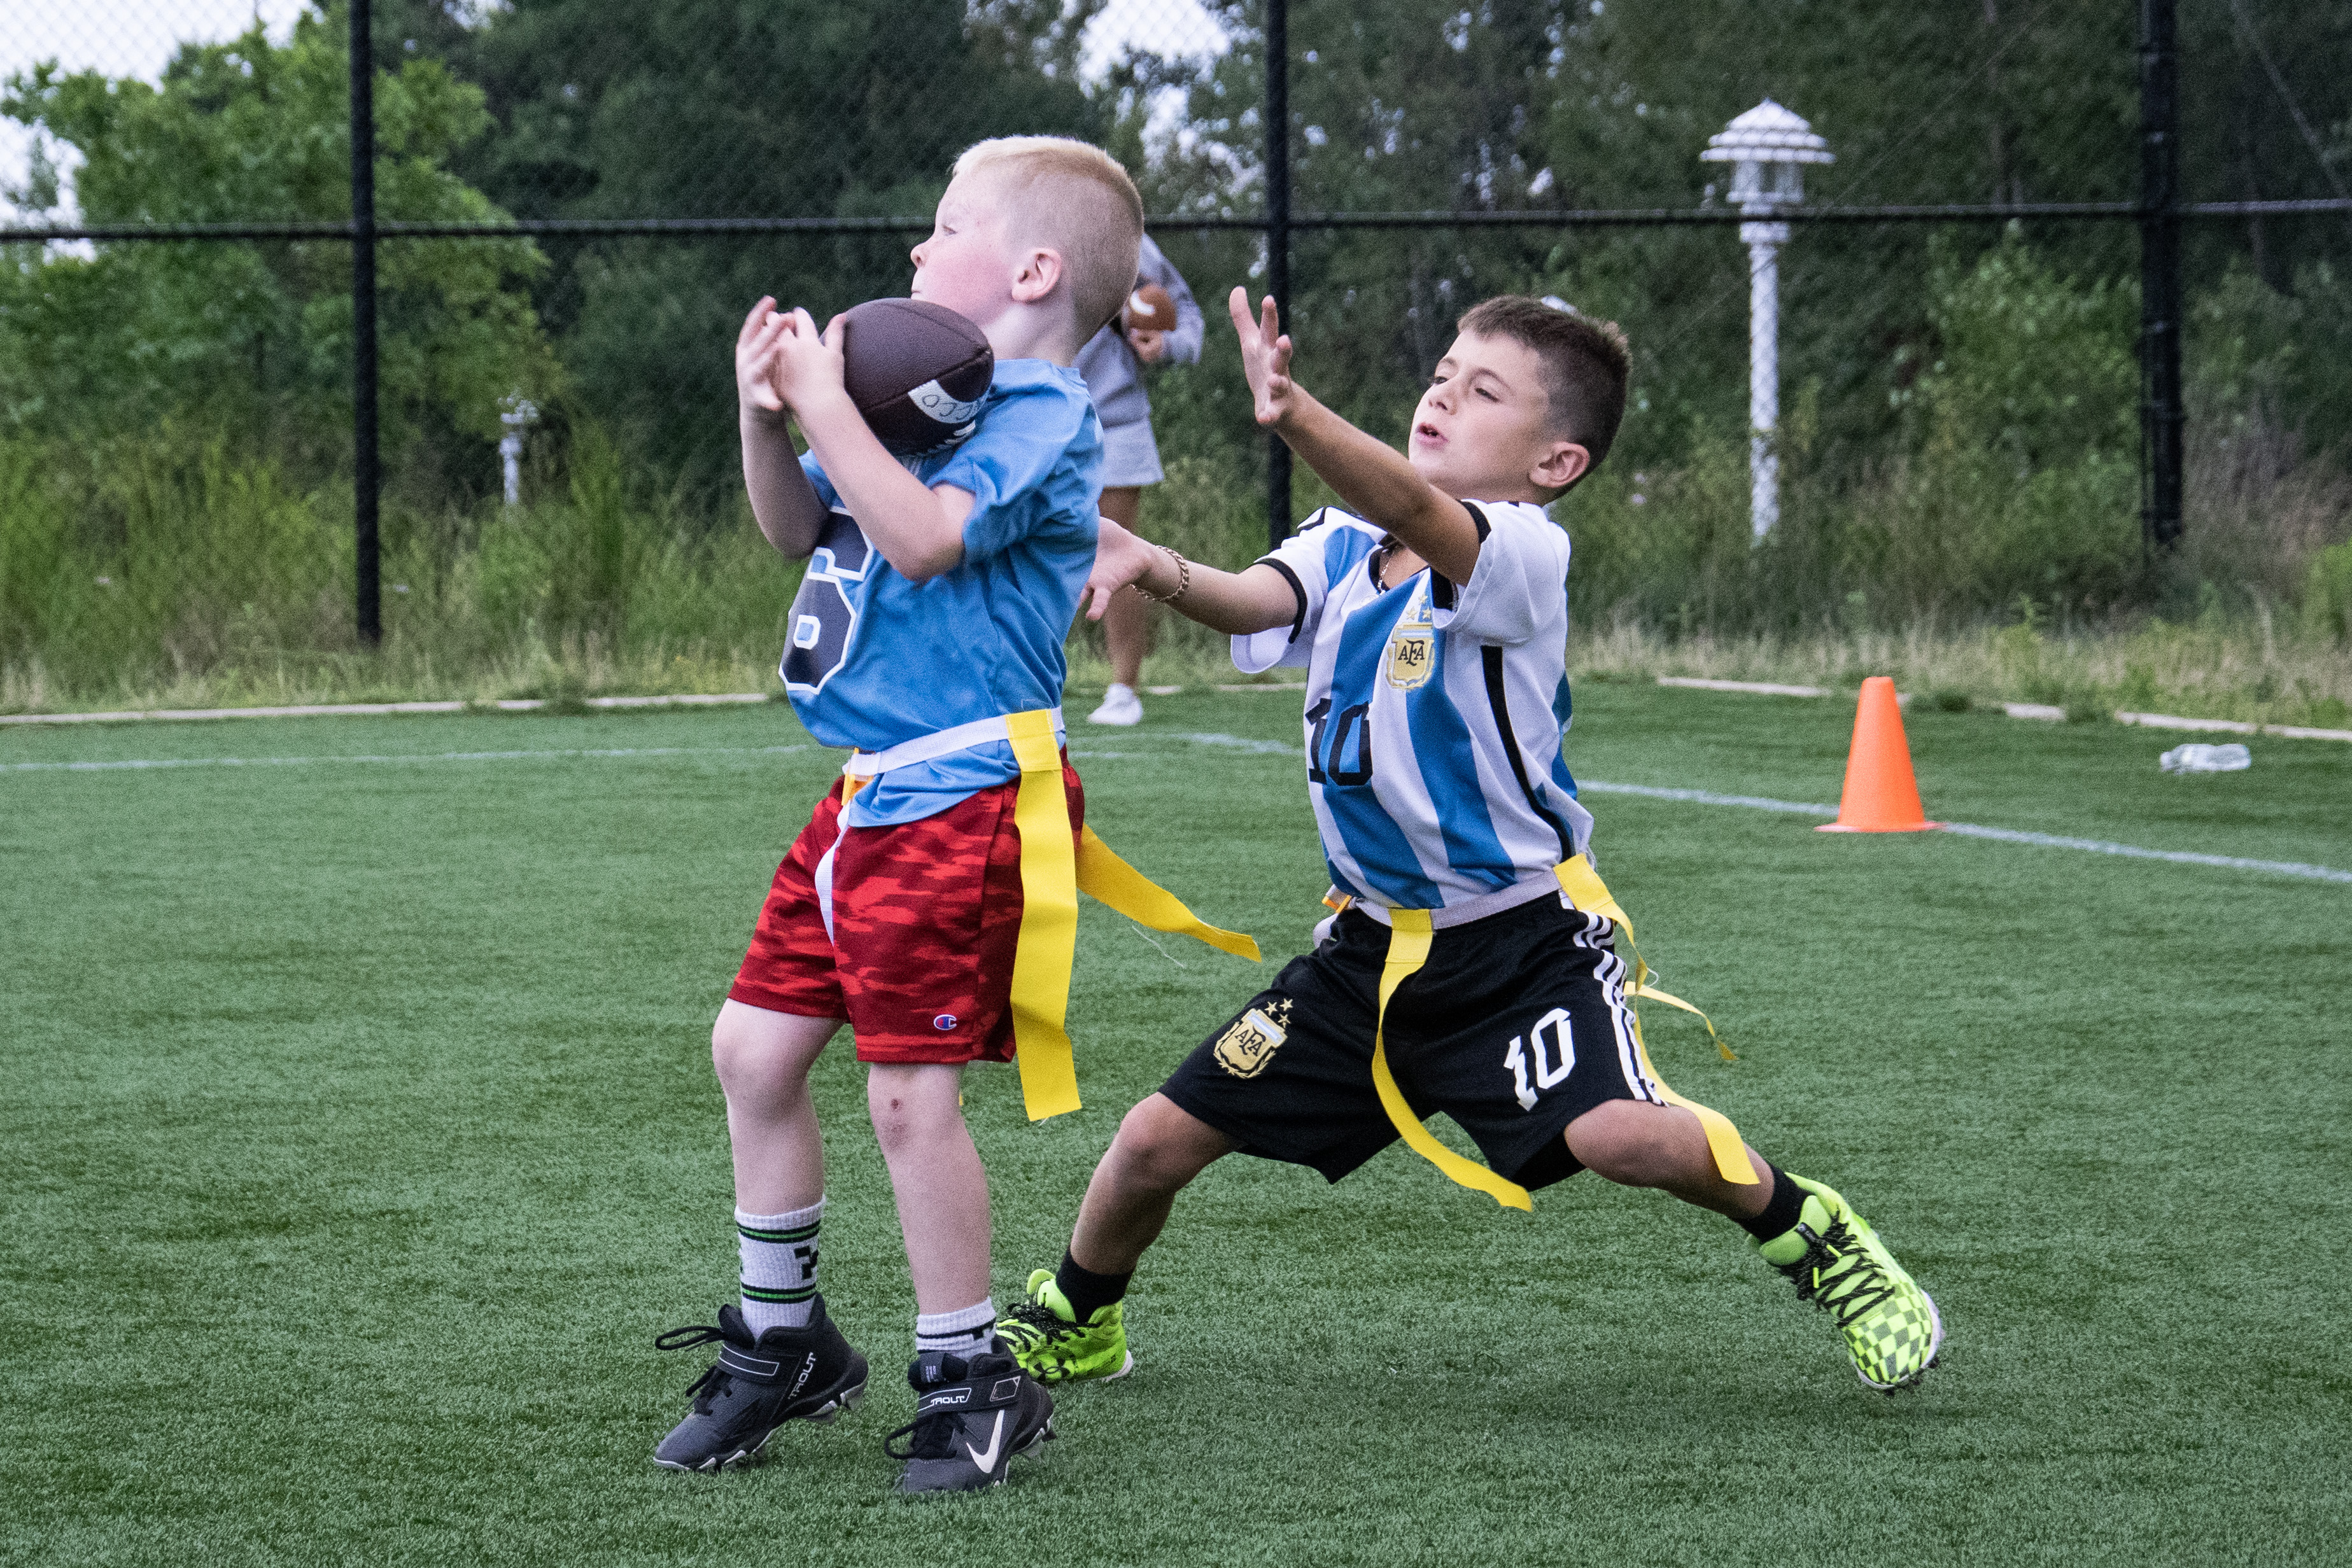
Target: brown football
[1148,309]
[917,372]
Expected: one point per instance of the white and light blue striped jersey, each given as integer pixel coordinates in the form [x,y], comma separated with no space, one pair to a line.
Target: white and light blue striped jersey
[1435,712]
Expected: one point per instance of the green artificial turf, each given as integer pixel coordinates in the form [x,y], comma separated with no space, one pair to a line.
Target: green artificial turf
[360,1135]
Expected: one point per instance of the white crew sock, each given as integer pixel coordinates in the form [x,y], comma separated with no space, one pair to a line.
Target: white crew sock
[779,1267]
[965,1333]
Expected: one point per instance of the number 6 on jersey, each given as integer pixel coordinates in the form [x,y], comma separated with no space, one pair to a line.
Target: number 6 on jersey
[822,619]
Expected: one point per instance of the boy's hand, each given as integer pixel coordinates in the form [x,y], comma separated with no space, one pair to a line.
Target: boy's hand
[1265,359]
[1150,347]
[755,355]
[809,368]
[1120,559]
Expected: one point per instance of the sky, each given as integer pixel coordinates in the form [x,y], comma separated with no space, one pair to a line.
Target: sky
[136,38]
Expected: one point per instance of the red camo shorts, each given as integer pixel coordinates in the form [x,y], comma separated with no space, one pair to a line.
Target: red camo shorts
[926,916]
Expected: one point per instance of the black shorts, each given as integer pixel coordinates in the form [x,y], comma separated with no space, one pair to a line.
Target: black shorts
[1515,1028]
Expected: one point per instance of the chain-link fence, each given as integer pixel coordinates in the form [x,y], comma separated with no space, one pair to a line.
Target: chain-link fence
[280,280]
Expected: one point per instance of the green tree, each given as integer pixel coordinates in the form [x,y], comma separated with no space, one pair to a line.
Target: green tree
[708,108]
[254,339]
[1535,105]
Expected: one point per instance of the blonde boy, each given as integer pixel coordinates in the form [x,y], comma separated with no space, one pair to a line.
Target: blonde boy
[940,589]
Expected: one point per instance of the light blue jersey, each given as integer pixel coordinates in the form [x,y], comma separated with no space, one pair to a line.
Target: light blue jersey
[1434,714]
[874,660]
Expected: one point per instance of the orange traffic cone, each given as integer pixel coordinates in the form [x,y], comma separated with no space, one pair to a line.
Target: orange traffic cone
[1881,796]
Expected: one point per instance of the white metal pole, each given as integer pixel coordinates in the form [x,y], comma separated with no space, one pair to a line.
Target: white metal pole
[1764,241]
[515,414]
[511,455]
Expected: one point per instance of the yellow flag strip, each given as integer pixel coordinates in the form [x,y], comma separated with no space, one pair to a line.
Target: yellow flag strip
[1054,872]
[1049,920]
[1407,951]
[1105,876]
[1590,894]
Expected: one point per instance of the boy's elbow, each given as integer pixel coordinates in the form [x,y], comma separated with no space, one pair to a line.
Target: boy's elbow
[940,549]
[922,565]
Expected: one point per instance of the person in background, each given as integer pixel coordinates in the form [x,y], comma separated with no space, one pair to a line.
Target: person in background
[1112,363]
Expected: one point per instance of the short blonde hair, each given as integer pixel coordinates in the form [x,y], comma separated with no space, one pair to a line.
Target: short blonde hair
[1074,197]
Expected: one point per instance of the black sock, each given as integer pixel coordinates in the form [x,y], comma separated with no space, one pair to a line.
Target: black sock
[1089,1291]
[1781,1210]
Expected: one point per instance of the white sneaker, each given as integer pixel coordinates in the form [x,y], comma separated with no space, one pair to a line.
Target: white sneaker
[1120,705]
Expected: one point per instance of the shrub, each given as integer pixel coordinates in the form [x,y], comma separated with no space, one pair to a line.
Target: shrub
[2327,592]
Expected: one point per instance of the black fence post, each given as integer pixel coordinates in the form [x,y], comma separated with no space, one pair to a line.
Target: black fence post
[1277,240]
[2160,415]
[367,480]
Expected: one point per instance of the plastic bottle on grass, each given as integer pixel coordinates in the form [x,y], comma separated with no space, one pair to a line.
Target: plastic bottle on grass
[2199,757]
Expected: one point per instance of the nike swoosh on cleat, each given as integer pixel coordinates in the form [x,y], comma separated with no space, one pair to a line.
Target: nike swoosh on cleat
[995,1441]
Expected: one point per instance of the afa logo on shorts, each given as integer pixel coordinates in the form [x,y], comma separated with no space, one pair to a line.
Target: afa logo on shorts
[1245,1048]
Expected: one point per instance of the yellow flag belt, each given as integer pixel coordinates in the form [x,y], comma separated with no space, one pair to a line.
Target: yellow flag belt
[1409,939]
[1054,870]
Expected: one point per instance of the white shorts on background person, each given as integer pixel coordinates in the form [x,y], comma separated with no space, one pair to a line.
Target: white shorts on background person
[1114,376]
[1130,455]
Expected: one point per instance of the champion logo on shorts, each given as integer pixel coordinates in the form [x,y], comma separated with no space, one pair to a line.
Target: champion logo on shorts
[944,1022]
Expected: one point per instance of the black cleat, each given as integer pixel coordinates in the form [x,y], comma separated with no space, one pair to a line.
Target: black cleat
[970,1418]
[755,1386]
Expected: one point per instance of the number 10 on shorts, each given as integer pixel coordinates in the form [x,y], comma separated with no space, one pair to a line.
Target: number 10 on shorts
[1555,1058]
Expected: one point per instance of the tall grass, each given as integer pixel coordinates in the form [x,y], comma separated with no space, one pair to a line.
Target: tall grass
[173,572]
[176,572]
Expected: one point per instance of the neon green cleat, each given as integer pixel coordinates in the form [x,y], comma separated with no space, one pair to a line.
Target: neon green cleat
[1892,1329]
[1045,1336]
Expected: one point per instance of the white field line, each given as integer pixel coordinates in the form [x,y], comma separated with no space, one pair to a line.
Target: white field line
[1706,798]
[531,704]
[144,764]
[152,764]
[2042,711]
[2178,857]
[372,710]
[2298,869]
[1239,743]
[2231,725]
[1757,688]
[2303,870]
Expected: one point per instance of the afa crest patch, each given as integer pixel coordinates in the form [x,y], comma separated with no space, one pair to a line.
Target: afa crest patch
[1245,1048]
[1411,656]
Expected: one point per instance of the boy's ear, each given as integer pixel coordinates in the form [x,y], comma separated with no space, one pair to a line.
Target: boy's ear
[1040,273]
[1562,464]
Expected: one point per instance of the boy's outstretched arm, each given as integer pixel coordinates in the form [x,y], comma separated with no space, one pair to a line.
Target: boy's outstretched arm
[784,503]
[1371,478]
[1239,602]
[918,528]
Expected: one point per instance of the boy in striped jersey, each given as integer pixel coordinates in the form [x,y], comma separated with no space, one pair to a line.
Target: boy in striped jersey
[1474,967]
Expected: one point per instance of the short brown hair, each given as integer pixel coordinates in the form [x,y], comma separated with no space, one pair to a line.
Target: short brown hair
[1076,198]
[1585,364]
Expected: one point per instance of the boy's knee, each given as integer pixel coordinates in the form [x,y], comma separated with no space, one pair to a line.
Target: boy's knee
[736,1055]
[753,1059]
[1626,1141]
[910,1104]
[1161,1146]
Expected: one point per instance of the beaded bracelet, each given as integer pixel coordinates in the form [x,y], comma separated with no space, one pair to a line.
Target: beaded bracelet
[1183,579]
